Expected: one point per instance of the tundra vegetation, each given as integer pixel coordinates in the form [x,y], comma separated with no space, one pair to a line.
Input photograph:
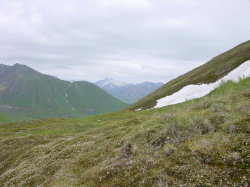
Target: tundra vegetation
[202,142]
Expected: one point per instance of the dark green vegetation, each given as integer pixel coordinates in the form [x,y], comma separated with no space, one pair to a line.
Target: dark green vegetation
[213,70]
[202,142]
[28,94]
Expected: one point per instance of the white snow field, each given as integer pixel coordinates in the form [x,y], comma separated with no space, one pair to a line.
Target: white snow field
[197,91]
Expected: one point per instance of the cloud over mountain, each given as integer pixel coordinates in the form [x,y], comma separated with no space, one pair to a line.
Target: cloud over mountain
[128,40]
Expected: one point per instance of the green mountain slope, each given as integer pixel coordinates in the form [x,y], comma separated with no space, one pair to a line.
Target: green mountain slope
[28,94]
[211,71]
[202,142]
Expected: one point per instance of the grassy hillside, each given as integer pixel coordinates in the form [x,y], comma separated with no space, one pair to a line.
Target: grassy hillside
[28,94]
[211,71]
[202,142]
[4,118]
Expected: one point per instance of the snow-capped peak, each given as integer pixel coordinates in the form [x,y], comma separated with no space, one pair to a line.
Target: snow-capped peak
[110,82]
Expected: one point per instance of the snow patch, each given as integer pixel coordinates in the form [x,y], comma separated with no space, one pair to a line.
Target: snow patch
[66,95]
[138,109]
[197,91]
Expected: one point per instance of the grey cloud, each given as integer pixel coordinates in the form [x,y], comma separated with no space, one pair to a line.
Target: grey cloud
[154,40]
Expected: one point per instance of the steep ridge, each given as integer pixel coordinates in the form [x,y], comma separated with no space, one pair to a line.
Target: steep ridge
[28,94]
[210,72]
[199,90]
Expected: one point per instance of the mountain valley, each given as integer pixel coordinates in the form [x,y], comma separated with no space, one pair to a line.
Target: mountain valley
[201,141]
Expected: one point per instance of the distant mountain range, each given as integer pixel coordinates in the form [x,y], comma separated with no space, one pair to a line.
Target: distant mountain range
[127,92]
[27,94]
[201,80]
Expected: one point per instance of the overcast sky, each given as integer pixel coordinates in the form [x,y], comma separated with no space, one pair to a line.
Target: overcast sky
[129,40]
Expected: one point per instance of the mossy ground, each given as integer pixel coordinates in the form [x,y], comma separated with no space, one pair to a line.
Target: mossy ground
[202,142]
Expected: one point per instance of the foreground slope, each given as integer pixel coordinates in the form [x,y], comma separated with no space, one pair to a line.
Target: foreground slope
[210,72]
[28,94]
[202,142]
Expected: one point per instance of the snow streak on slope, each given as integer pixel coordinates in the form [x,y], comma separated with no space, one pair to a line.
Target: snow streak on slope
[196,91]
